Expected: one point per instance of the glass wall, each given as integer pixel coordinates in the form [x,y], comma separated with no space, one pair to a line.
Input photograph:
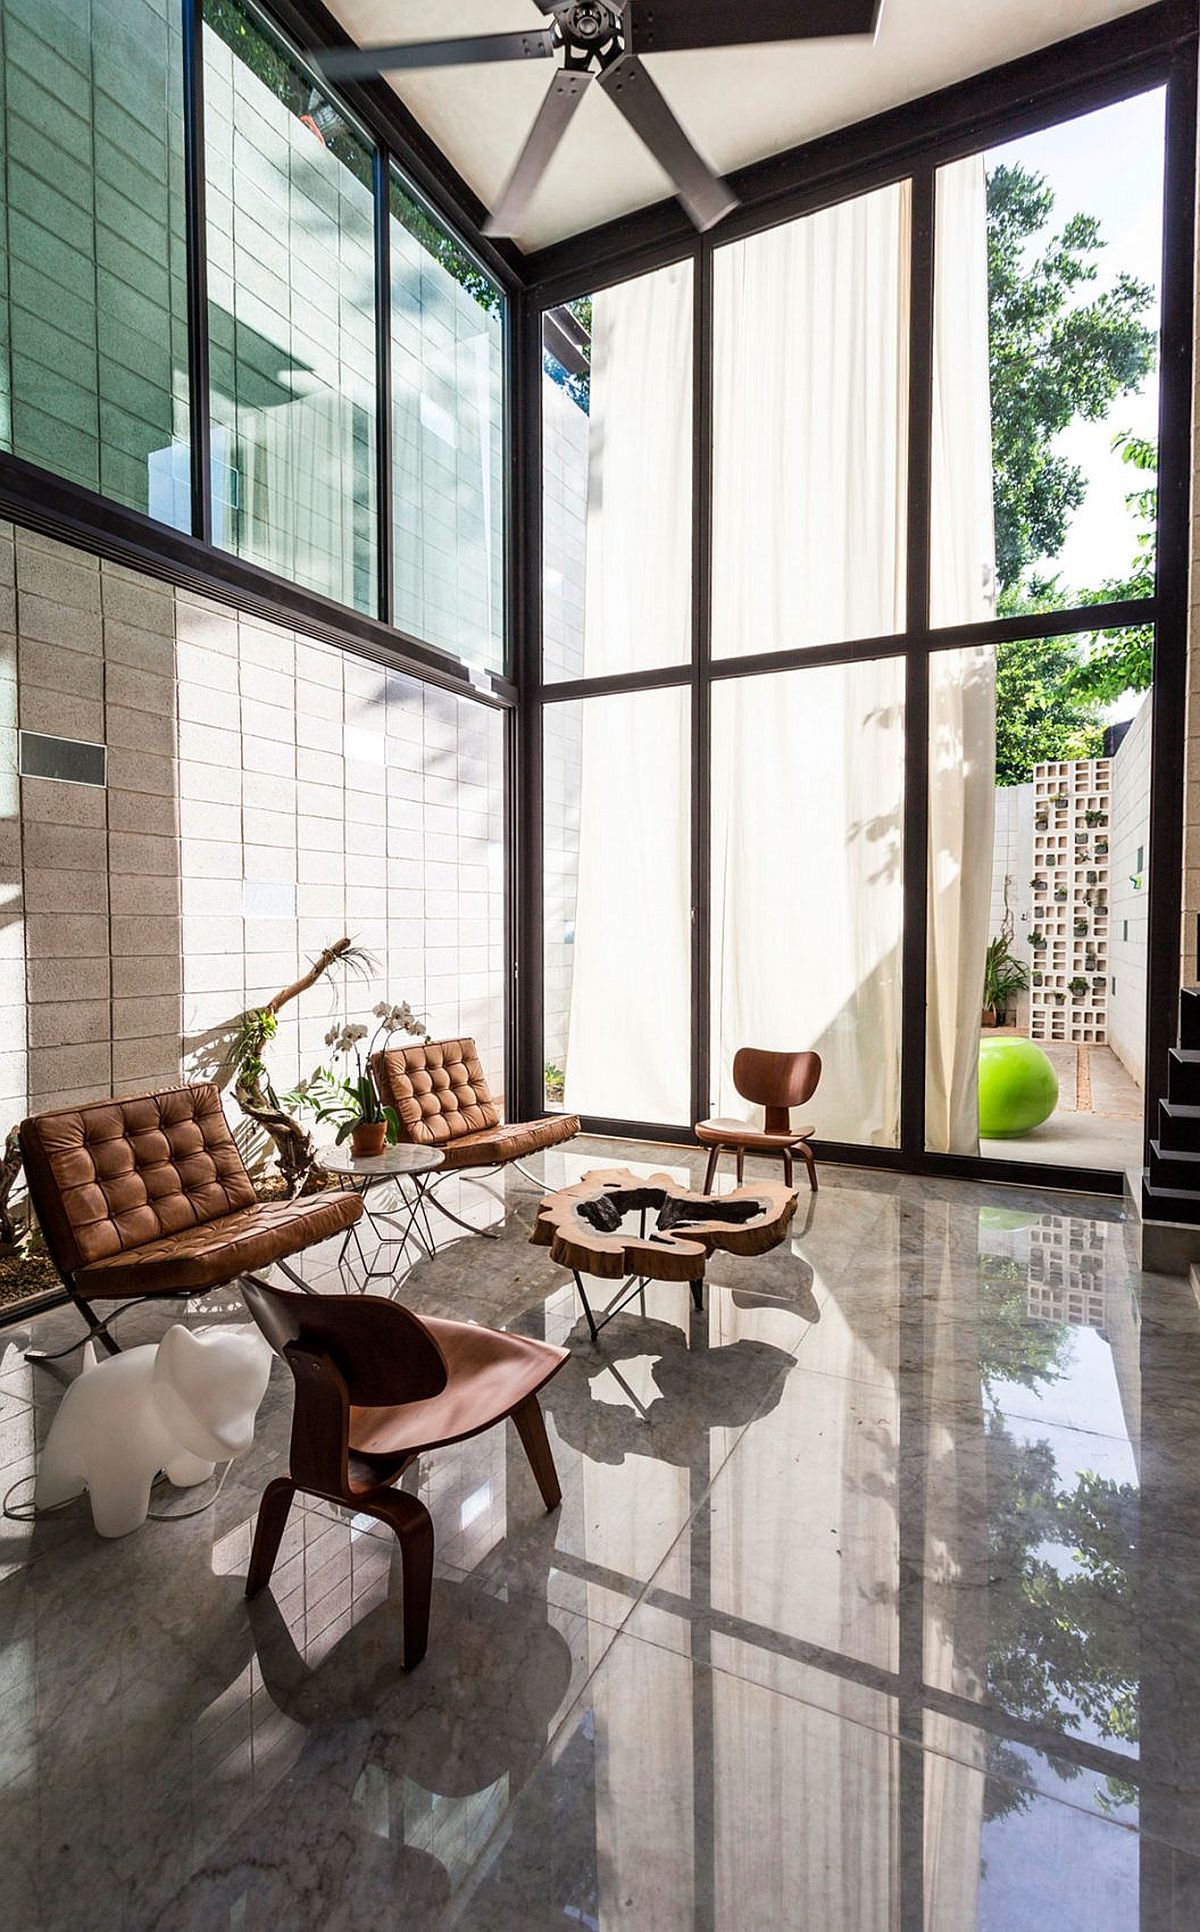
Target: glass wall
[1053,244]
[617,931]
[808,901]
[617,480]
[1054,861]
[447,439]
[810,439]
[869,777]
[93,300]
[291,283]
[94,353]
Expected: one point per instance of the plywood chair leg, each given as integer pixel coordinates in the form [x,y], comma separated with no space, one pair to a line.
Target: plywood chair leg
[787,1167]
[810,1163]
[710,1172]
[413,1527]
[268,1533]
[741,1165]
[530,1425]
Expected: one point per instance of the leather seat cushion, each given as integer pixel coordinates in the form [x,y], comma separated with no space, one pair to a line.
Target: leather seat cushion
[510,1142]
[489,1374]
[217,1251]
[743,1133]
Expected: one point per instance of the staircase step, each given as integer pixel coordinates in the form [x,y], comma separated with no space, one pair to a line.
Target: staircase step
[1174,1167]
[1179,1126]
[1189,1018]
[1183,1076]
[1170,1204]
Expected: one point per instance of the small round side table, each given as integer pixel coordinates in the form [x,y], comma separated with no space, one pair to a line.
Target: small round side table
[397,1164]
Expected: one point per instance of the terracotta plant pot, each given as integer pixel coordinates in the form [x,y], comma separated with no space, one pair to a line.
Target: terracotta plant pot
[368,1137]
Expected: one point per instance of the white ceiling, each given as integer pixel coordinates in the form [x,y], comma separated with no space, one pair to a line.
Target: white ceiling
[738,104]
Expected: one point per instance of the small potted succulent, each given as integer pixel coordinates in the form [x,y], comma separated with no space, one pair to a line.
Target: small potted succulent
[1037,939]
[1081,926]
[1079,987]
[1060,894]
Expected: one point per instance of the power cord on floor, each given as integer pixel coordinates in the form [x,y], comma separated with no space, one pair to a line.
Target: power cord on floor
[31,1514]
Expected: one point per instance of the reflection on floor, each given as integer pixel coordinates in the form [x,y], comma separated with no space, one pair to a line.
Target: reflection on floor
[1098,1120]
[871,1604]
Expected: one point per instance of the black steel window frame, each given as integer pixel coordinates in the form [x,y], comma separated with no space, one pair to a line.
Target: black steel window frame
[1144,51]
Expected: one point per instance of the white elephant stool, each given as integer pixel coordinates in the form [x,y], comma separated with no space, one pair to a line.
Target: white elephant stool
[181,1405]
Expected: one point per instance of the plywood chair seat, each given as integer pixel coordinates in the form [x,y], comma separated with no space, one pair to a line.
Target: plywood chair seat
[743,1133]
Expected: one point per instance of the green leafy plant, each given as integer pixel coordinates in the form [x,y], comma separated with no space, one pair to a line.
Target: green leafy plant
[1004,976]
[1037,939]
[553,1081]
[1079,987]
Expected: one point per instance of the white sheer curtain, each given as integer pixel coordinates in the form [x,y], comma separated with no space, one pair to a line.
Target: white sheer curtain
[962,684]
[809,491]
[810,457]
[629,1038]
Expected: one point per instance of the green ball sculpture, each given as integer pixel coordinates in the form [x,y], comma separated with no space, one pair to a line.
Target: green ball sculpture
[1018,1088]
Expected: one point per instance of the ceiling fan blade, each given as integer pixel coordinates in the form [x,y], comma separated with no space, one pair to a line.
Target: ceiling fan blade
[363,63]
[661,26]
[553,119]
[629,87]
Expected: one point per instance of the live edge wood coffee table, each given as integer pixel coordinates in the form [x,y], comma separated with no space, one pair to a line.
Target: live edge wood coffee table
[619,1227]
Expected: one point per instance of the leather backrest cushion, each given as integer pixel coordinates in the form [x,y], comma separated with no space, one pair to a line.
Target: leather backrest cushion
[438,1089]
[114,1174]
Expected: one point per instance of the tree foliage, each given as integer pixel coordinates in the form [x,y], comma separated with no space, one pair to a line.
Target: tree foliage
[1055,359]
[1038,717]
[1123,660]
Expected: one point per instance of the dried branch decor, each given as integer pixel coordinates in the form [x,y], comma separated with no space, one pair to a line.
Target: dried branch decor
[252,1086]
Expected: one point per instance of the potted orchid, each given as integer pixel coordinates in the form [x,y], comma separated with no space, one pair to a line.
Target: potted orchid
[349,1099]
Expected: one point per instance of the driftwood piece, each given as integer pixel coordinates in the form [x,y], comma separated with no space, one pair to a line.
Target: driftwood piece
[595,1226]
[254,1093]
[10,1167]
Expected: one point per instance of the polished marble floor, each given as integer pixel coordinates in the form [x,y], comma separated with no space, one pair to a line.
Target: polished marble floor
[872,1606]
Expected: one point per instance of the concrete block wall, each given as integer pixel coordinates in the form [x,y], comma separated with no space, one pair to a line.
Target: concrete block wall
[1129,894]
[1012,866]
[265,794]
[93,344]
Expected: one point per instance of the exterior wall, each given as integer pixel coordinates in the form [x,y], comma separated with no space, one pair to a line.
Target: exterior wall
[565,447]
[265,795]
[1129,895]
[1071,898]
[1012,866]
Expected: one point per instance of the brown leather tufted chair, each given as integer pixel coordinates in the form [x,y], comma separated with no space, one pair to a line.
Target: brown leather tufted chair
[148,1196]
[443,1100]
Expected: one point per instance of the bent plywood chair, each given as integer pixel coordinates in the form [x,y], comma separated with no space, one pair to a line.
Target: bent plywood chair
[776,1082]
[376,1387]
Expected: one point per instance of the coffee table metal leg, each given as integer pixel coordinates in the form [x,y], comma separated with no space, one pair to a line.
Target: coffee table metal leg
[587,1306]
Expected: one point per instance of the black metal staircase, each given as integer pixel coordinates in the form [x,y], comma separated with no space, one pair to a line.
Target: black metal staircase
[1171,1188]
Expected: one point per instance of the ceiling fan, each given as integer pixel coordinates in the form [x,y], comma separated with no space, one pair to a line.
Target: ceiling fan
[605,39]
